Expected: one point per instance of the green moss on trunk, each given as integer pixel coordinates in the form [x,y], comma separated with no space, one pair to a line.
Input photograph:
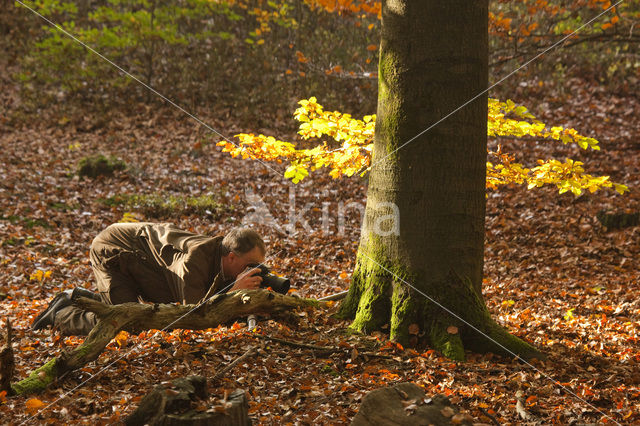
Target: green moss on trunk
[502,342]
[406,309]
[349,305]
[388,124]
[385,297]
[374,303]
[450,344]
[372,297]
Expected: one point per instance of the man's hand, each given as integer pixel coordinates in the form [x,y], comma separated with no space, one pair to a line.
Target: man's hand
[247,280]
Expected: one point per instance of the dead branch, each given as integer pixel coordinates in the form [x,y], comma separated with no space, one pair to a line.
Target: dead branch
[326,349]
[222,372]
[136,317]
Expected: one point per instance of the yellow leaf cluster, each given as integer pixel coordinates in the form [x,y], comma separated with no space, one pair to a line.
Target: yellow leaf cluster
[39,275]
[351,155]
[509,119]
[351,143]
[121,338]
[259,147]
[567,176]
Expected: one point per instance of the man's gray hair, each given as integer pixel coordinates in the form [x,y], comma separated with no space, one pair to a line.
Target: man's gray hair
[241,241]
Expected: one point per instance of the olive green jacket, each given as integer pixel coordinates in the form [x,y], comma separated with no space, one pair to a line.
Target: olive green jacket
[191,263]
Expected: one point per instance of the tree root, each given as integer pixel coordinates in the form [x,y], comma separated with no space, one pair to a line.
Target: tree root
[250,352]
[322,349]
[449,314]
[443,340]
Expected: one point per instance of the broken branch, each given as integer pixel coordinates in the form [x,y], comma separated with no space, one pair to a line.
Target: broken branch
[136,317]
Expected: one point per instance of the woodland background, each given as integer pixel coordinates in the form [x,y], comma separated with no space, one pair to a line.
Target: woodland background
[554,274]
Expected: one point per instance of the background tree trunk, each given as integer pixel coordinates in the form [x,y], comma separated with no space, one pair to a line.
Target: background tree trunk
[433,59]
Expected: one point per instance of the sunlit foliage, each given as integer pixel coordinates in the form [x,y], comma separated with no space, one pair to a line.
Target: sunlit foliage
[349,150]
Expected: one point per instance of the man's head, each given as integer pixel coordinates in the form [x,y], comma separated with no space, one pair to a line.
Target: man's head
[240,247]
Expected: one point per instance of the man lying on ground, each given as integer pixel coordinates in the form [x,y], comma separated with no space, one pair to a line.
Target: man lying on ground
[147,262]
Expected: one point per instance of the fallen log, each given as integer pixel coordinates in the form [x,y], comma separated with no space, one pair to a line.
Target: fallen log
[136,317]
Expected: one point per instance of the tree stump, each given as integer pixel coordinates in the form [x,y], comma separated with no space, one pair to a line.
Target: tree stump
[406,404]
[175,404]
[7,361]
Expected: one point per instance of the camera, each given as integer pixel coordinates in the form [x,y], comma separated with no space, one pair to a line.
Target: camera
[278,284]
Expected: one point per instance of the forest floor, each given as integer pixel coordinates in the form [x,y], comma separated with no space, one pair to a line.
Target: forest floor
[553,275]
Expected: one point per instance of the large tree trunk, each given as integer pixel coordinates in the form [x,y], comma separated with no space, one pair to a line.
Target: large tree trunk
[424,220]
[136,317]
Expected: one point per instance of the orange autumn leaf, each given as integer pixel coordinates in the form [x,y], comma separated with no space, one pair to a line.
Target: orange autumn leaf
[372,47]
[33,405]
[121,338]
[301,58]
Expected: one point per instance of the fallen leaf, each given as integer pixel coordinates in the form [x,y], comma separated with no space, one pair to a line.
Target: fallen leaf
[33,405]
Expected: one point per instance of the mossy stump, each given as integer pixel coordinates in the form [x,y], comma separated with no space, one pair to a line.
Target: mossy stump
[99,165]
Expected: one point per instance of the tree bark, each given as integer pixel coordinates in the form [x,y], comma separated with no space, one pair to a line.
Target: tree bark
[136,317]
[425,212]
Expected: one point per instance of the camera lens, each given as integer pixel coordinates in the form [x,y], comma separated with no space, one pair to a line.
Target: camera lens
[278,284]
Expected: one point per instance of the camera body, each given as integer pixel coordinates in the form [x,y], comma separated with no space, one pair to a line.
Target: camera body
[278,284]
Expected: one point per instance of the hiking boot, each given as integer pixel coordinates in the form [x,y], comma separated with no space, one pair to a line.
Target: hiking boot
[46,317]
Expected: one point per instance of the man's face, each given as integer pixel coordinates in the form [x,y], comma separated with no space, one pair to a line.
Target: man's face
[236,263]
